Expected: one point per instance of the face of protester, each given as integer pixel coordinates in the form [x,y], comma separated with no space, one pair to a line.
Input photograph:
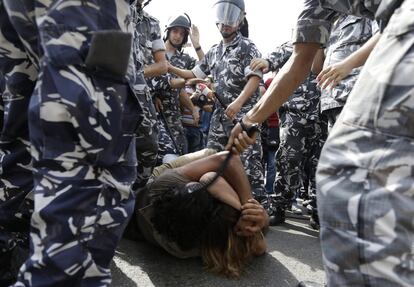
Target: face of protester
[177,35]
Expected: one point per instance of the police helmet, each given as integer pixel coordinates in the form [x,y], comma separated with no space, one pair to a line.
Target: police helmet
[182,21]
[229,12]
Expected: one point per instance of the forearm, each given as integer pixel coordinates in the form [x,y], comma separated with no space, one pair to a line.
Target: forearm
[235,175]
[359,57]
[200,54]
[155,69]
[317,64]
[182,73]
[292,74]
[177,83]
[249,89]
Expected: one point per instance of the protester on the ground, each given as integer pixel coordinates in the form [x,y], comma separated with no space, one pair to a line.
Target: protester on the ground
[186,213]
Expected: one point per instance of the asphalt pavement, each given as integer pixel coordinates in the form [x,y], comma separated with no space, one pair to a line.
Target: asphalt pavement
[293,255]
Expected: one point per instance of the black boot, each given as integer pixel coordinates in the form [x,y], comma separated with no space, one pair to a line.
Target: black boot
[314,219]
[275,207]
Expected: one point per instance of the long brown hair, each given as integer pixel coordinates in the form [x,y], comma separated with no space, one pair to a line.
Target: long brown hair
[222,250]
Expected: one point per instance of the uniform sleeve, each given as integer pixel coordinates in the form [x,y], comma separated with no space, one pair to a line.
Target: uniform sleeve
[313,24]
[202,69]
[375,27]
[252,53]
[157,42]
[280,56]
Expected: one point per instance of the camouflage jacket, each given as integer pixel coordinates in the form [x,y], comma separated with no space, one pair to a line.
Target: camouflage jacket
[230,67]
[149,36]
[161,85]
[315,21]
[348,34]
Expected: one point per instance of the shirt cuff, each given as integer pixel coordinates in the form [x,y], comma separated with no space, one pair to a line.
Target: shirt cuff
[158,45]
[198,72]
[249,72]
[312,31]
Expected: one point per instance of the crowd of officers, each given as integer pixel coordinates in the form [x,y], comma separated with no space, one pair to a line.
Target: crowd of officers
[85,123]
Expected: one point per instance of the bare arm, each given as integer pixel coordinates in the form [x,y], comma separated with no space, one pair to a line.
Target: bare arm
[186,102]
[332,75]
[159,67]
[177,83]
[234,173]
[182,73]
[195,40]
[317,64]
[292,74]
[249,89]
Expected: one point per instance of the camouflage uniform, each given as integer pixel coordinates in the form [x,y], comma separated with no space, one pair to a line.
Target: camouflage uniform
[365,173]
[19,67]
[148,41]
[302,134]
[348,34]
[171,104]
[230,68]
[82,128]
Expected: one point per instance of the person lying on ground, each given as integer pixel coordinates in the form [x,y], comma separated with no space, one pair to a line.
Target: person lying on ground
[184,214]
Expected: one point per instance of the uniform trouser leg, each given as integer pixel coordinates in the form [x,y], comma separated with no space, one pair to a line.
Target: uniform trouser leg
[290,158]
[166,145]
[146,140]
[315,140]
[16,181]
[365,175]
[76,226]
[366,213]
[83,145]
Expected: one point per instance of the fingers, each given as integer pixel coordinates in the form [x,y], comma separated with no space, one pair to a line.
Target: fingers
[322,73]
[230,113]
[252,229]
[258,64]
[234,134]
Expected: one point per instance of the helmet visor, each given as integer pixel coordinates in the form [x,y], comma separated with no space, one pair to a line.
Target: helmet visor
[228,14]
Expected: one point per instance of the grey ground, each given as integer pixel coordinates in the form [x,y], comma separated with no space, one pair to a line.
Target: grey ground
[293,255]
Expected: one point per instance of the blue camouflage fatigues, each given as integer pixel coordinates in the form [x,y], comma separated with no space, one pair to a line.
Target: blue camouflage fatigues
[302,134]
[172,127]
[348,34]
[82,128]
[148,41]
[230,67]
[18,72]
[365,175]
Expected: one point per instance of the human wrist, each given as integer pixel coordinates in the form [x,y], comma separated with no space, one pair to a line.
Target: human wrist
[197,48]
